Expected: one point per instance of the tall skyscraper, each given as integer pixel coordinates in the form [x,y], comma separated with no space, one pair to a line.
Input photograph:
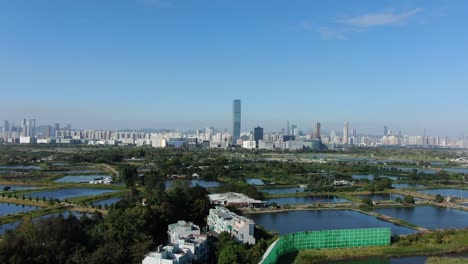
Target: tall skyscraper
[47,131]
[6,126]
[317,131]
[236,120]
[354,133]
[55,131]
[294,130]
[288,130]
[258,135]
[345,132]
[68,127]
[385,130]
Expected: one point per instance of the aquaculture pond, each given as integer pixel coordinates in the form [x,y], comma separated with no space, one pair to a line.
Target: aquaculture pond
[406,185]
[80,178]
[371,177]
[408,169]
[290,190]
[19,167]
[16,187]
[379,196]
[108,201]
[431,217]
[447,192]
[255,181]
[296,221]
[307,199]
[457,170]
[78,171]
[9,208]
[202,183]
[68,193]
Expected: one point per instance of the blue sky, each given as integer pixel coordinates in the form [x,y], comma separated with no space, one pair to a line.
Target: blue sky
[179,64]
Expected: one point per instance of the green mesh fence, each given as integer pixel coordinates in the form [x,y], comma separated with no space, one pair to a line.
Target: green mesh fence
[326,239]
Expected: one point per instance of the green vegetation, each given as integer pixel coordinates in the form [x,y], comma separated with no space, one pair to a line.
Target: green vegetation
[408,199]
[437,242]
[139,222]
[131,229]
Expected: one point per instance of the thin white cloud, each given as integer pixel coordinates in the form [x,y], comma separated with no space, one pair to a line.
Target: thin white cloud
[306,25]
[329,33]
[159,3]
[379,19]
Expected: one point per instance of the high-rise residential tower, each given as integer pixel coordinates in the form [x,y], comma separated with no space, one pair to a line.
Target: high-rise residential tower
[317,131]
[236,120]
[258,135]
[345,132]
[6,127]
[294,130]
[385,130]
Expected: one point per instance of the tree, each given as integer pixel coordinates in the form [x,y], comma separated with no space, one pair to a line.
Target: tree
[367,201]
[129,175]
[398,200]
[408,199]
[439,198]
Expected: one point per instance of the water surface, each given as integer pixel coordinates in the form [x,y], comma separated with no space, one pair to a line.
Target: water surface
[379,196]
[296,221]
[9,208]
[255,181]
[19,167]
[202,183]
[430,217]
[17,187]
[406,185]
[108,201]
[371,177]
[68,193]
[307,199]
[80,178]
[447,192]
[291,190]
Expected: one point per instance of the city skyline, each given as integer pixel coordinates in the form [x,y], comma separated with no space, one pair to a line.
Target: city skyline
[374,63]
[292,128]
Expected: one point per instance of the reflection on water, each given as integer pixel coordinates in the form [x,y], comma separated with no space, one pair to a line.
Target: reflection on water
[431,217]
[296,221]
[308,199]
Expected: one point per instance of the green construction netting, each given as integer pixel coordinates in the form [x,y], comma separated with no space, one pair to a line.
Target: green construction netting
[327,239]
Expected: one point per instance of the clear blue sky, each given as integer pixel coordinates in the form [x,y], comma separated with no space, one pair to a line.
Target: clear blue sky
[179,64]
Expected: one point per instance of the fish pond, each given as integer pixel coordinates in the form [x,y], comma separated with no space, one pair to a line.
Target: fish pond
[291,190]
[296,221]
[255,181]
[107,201]
[16,187]
[370,177]
[80,178]
[9,208]
[307,199]
[430,217]
[202,183]
[447,192]
[69,193]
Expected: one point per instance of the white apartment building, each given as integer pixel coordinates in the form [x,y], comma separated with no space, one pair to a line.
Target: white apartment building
[186,245]
[241,228]
[182,229]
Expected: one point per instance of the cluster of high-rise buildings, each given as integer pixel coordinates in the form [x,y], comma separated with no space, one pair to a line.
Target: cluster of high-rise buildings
[289,137]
